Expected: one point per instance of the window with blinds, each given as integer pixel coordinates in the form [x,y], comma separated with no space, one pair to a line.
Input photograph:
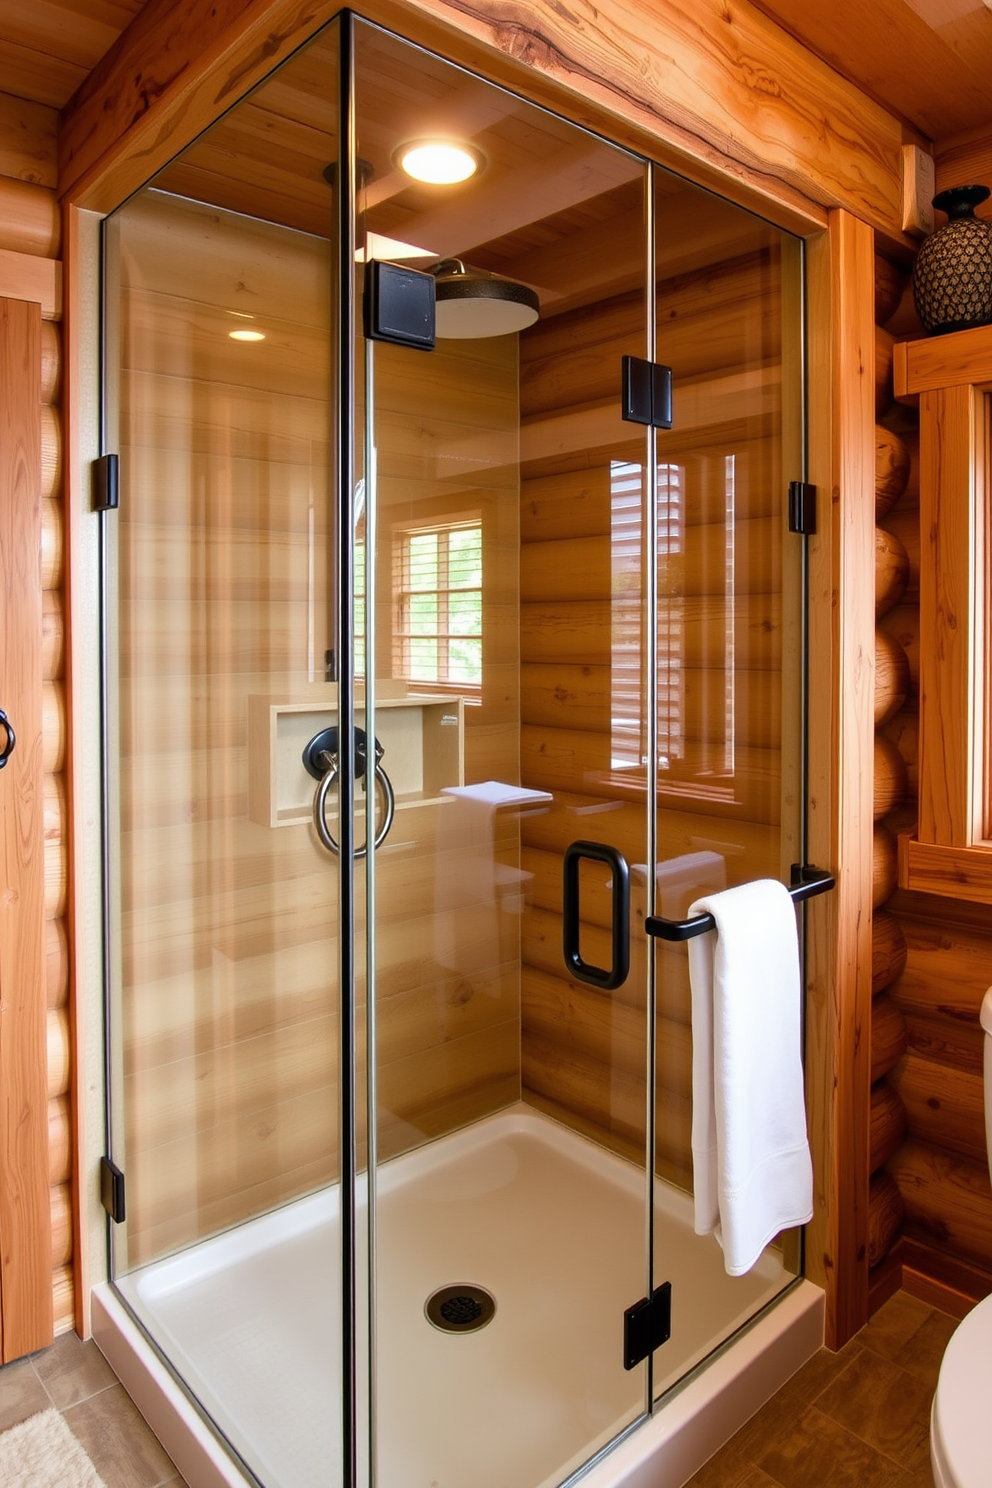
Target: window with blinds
[437,591]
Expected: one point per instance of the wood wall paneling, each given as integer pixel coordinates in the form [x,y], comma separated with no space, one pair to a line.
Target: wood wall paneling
[25,1221]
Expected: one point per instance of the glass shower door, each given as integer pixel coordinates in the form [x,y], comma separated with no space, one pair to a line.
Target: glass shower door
[505,584]
[729,668]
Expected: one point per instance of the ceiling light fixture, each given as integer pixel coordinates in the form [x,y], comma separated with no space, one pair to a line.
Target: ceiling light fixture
[247,335]
[438,162]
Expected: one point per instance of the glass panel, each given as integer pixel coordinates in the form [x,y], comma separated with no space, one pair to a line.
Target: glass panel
[510,1100]
[227,994]
[729,323]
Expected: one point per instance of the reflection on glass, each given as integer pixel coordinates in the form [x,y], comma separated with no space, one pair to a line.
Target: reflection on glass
[728,636]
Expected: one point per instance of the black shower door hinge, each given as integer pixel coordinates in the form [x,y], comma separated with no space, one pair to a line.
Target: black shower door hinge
[647,1325]
[802,508]
[112,1190]
[646,393]
[106,483]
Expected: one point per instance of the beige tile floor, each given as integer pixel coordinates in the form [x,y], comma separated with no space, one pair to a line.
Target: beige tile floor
[75,1378]
[855,1419]
[859,1418]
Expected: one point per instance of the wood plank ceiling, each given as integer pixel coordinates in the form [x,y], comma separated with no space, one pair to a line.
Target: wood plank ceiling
[927,61]
[47,47]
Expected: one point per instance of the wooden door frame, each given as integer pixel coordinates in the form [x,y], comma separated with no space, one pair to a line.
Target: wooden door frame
[120,129]
[26,1320]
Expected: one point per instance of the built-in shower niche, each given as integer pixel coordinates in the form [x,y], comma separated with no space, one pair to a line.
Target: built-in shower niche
[422,738]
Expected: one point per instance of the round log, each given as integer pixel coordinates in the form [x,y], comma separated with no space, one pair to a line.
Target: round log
[56,963]
[904,321]
[948,1199]
[892,466]
[903,625]
[883,372]
[891,571]
[52,635]
[63,1299]
[61,1201]
[905,525]
[892,677]
[886,1211]
[53,726]
[51,453]
[889,1036]
[30,220]
[904,732]
[58,1052]
[884,866]
[888,950]
[51,362]
[889,786]
[889,281]
[59,1140]
[51,545]
[886,1125]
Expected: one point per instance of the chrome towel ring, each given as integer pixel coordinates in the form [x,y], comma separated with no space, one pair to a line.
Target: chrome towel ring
[320,758]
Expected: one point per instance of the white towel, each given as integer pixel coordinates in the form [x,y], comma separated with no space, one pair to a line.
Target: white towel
[752,1174]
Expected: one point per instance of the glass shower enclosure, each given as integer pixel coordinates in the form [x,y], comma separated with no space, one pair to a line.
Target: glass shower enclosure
[431,672]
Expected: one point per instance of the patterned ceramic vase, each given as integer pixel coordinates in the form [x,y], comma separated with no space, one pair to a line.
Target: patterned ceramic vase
[952,280]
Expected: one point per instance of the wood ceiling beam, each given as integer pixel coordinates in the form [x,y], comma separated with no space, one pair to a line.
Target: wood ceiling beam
[698,82]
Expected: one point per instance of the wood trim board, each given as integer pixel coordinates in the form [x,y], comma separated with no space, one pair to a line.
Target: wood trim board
[727,94]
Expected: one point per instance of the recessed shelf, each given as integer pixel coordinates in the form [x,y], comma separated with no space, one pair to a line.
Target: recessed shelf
[422,737]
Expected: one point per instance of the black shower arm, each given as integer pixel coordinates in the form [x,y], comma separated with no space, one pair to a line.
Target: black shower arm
[806,883]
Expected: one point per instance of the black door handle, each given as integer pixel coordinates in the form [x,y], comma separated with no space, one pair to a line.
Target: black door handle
[8,746]
[596,976]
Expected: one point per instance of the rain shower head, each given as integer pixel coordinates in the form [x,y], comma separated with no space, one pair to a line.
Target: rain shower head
[471,303]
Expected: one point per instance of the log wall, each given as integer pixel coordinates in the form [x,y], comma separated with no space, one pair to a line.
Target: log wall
[30,246]
[934,956]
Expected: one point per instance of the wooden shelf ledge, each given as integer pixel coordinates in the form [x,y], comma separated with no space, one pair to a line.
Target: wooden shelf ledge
[952,872]
[960,359]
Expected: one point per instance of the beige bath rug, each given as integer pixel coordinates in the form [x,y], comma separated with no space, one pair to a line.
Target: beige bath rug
[43,1453]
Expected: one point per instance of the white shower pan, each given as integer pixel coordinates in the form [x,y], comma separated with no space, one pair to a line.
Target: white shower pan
[547,1222]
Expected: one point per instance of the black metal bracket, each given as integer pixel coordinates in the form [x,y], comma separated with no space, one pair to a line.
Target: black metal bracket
[802,508]
[647,1325]
[106,483]
[806,883]
[646,393]
[112,1190]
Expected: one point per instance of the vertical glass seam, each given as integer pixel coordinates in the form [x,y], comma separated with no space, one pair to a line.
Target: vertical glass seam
[104,664]
[346,755]
[371,798]
[651,701]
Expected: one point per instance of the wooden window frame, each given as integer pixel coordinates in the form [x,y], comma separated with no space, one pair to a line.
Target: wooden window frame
[402,532]
[951,378]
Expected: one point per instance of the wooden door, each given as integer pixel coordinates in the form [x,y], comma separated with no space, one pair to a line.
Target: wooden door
[25,1222]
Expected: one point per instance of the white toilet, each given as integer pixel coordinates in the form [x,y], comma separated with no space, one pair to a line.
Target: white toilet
[959,1437]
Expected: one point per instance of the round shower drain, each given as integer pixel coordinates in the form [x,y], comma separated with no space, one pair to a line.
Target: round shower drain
[460,1309]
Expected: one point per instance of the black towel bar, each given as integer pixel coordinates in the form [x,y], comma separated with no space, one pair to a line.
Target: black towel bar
[806,884]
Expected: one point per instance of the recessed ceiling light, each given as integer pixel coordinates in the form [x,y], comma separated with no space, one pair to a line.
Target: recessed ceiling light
[438,162]
[247,335]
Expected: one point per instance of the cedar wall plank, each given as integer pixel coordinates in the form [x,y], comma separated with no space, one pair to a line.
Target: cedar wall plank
[25,1215]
